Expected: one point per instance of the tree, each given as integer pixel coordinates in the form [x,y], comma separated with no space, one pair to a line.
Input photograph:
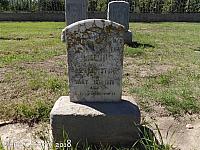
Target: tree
[174,6]
[193,6]
[4,5]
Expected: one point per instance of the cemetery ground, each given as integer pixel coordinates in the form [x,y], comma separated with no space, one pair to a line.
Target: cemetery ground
[161,72]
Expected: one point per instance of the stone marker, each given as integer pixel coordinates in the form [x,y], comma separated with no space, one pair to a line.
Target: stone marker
[106,123]
[95,110]
[75,10]
[95,61]
[118,11]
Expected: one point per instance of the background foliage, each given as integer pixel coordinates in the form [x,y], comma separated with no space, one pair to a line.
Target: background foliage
[138,6]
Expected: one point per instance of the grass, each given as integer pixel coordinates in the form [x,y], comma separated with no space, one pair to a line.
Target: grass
[162,69]
[166,71]
[1,145]
[32,42]
[33,69]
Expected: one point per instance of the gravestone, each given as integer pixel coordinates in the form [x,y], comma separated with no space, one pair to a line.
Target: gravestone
[75,10]
[118,11]
[95,111]
[95,60]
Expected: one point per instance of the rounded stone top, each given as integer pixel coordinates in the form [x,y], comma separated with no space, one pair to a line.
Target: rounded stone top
[114,2]
[101,23]
[83,25]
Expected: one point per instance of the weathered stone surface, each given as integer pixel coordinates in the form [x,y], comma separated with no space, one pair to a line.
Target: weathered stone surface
[107,123]
[95,60]
[75,10]
[118,11]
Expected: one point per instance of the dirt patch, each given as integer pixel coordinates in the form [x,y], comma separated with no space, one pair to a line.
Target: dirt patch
[3,72]
[16,80]
[175,132]
[153,70]
[129,80]
[57,65]
[142,71]
[21,136]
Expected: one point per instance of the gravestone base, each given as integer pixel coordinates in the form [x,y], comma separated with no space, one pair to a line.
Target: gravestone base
[128,37]
[113,123]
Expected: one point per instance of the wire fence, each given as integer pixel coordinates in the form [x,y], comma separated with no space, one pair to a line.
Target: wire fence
[137,6]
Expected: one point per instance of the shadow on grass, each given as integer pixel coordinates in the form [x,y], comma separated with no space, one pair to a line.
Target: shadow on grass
[136,45]
[197,49]
[13,38]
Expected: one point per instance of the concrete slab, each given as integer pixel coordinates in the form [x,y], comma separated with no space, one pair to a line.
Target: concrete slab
[99,122]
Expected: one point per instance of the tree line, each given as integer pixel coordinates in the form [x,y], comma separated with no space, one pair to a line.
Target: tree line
[137,6]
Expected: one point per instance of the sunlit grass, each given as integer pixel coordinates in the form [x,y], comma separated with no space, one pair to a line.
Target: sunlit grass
[162,69]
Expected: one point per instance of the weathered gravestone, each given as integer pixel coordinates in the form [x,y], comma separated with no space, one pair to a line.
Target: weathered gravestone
[75,10]
[95,60]
[95,110]
[118,11]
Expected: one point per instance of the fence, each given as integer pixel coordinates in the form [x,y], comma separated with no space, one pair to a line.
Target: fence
[136,6]
[134,17]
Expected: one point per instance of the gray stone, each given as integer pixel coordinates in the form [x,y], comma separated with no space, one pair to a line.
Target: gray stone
[95,60]
[128,37]
[118,11]
[75,10]
[107,123]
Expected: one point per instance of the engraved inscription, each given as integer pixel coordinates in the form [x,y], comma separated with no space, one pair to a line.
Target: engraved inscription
[95,59]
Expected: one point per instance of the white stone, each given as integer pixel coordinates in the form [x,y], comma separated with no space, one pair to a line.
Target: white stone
[75,10]
[189,126]
[95,60]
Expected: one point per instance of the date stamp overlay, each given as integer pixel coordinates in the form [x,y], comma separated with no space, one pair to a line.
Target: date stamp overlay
[67,144]
[19,144]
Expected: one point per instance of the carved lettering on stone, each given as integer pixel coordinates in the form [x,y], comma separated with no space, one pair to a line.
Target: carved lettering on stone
[95,60]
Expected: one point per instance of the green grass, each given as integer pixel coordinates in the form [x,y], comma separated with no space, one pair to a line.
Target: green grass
[33,72]
[162,69]
[31,42]
[171,60]
[1,145]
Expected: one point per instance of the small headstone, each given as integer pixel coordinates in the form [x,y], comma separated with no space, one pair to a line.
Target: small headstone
[95,60]
[118,11]
[75,10]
